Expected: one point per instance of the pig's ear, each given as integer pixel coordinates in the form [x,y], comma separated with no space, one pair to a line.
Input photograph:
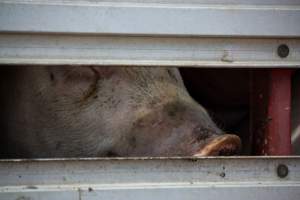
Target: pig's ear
[224,145]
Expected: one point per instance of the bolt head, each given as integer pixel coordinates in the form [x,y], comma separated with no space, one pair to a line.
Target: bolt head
[282,170]
[283,51]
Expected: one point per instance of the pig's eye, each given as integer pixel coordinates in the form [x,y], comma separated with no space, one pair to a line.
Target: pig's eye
[79,74]
[90,72]
[83,81]
[82,73]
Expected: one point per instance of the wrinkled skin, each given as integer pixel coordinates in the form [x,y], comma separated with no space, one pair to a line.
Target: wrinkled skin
[225,94]
[100,111]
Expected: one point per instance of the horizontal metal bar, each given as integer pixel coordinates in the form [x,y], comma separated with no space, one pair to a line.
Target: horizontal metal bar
[146,51]
[150,33]
[258,192]
[148,178]
[165,17]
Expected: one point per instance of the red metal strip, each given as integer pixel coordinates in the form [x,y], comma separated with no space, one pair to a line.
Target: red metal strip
[270,111]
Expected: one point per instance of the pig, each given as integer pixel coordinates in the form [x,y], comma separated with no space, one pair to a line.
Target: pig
[232,111]
[97,111]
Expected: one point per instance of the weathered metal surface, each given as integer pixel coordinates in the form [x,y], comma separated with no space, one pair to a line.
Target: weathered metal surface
[203,18]
[24,49]
[152,178]
[271,110]
[150,33]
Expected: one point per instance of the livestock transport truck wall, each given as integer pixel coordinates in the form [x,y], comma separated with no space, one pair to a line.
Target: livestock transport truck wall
[262,38]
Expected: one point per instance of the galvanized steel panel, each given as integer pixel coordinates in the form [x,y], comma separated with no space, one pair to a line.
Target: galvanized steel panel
[147,178]
[218,33]
[221,18]
[25,49]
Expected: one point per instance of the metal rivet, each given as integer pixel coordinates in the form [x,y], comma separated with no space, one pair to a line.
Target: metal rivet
[282,170]
[283,51]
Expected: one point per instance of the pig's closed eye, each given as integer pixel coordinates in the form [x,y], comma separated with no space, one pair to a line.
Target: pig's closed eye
[96,74]
[80,82]
[80,73]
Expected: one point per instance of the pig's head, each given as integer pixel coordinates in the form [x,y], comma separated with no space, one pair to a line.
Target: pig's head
[110,111]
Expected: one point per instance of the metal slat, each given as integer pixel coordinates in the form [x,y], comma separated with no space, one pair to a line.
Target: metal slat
[148,178]
[152,18]
[146,51]
[219,33]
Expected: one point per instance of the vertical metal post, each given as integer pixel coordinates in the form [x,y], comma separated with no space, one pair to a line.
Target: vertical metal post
[270,111]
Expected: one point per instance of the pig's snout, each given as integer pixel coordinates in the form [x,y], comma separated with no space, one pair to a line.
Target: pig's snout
[224,145]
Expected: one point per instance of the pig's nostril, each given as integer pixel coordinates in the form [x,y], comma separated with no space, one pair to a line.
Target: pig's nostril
[225,145]
[228,151]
